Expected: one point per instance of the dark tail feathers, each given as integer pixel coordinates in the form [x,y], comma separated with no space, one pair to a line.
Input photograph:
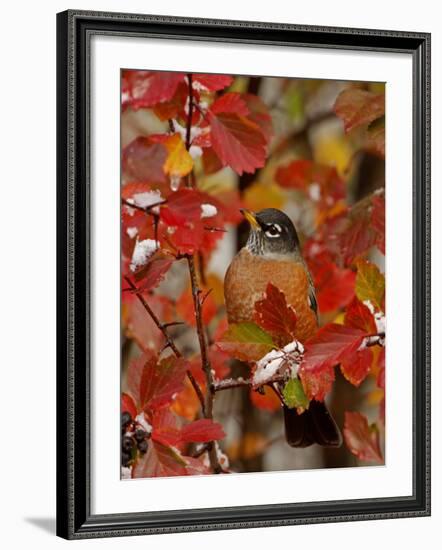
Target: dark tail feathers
[315,425]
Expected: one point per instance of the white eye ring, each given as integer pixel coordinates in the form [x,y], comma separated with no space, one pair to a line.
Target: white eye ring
[274,227]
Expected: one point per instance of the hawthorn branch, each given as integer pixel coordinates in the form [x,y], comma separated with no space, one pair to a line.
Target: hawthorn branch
[205,362]
[232,383]
[169,342]
[145,209]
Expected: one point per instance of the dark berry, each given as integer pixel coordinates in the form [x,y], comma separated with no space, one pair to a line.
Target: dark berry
[142,446]
[127,444]
[126,419]
[125,459]
[140,435]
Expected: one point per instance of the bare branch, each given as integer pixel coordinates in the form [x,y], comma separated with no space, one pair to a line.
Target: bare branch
[169,342]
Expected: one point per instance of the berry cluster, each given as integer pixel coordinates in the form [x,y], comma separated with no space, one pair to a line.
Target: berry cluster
[133,439]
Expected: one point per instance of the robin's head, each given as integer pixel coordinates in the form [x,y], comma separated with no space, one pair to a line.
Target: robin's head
[271,232]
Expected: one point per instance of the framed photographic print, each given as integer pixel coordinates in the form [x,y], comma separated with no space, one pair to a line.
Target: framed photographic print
[243,274]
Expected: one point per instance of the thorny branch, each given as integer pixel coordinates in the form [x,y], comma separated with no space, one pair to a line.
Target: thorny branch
[205,362]
[169,342]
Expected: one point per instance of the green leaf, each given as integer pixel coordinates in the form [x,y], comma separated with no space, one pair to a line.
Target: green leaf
[294,395]
[370,284]
[246,341]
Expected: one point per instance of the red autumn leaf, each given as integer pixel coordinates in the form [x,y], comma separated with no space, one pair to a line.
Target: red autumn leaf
[274,315]
[211,161]
[268,401]
[238,142]
[143,160]
[166,428]
[231,102]
[138,325]
[161,381]
[334,285]
[160,461]
[359,107]
[153,384]
[202,431]
[356,367]
[213,82]
[320,183]
[357,315]
[128,405]
[328,347]
[378,220]
[185,206]
[150,275]
[170,109]
[143,89]
[259,114]
[361,439]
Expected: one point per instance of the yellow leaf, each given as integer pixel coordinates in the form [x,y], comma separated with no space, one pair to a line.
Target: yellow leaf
[370,284]
[334,151]
[263,195]
[178,162]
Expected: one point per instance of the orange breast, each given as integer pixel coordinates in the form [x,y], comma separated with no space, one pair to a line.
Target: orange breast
[246,281]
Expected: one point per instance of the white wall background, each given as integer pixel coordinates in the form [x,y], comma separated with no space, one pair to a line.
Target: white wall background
[28,271]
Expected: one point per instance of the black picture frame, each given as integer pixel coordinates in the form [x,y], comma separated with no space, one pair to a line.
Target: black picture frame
[74,518]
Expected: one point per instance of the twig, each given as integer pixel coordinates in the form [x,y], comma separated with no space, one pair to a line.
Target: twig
[145,209]
[205,362]
[170,343]
[230,383]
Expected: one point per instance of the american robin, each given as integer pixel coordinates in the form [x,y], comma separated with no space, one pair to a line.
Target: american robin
[272,254]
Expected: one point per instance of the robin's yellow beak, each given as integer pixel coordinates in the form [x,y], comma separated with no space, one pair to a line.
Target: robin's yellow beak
[251,218]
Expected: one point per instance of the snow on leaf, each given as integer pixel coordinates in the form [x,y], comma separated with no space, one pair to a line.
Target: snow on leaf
[143,160]
[278,361]
[361,439]
[246,342]
[211,82]
[201,431]
[274,315]
[359,107]
[147,198]
[238,142]
[143,89]
[231,102]
[328,347]
[183,206]
[142,252]
[208,211]
[370,284]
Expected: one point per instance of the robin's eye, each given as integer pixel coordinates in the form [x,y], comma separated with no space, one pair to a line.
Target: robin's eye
[273,231]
